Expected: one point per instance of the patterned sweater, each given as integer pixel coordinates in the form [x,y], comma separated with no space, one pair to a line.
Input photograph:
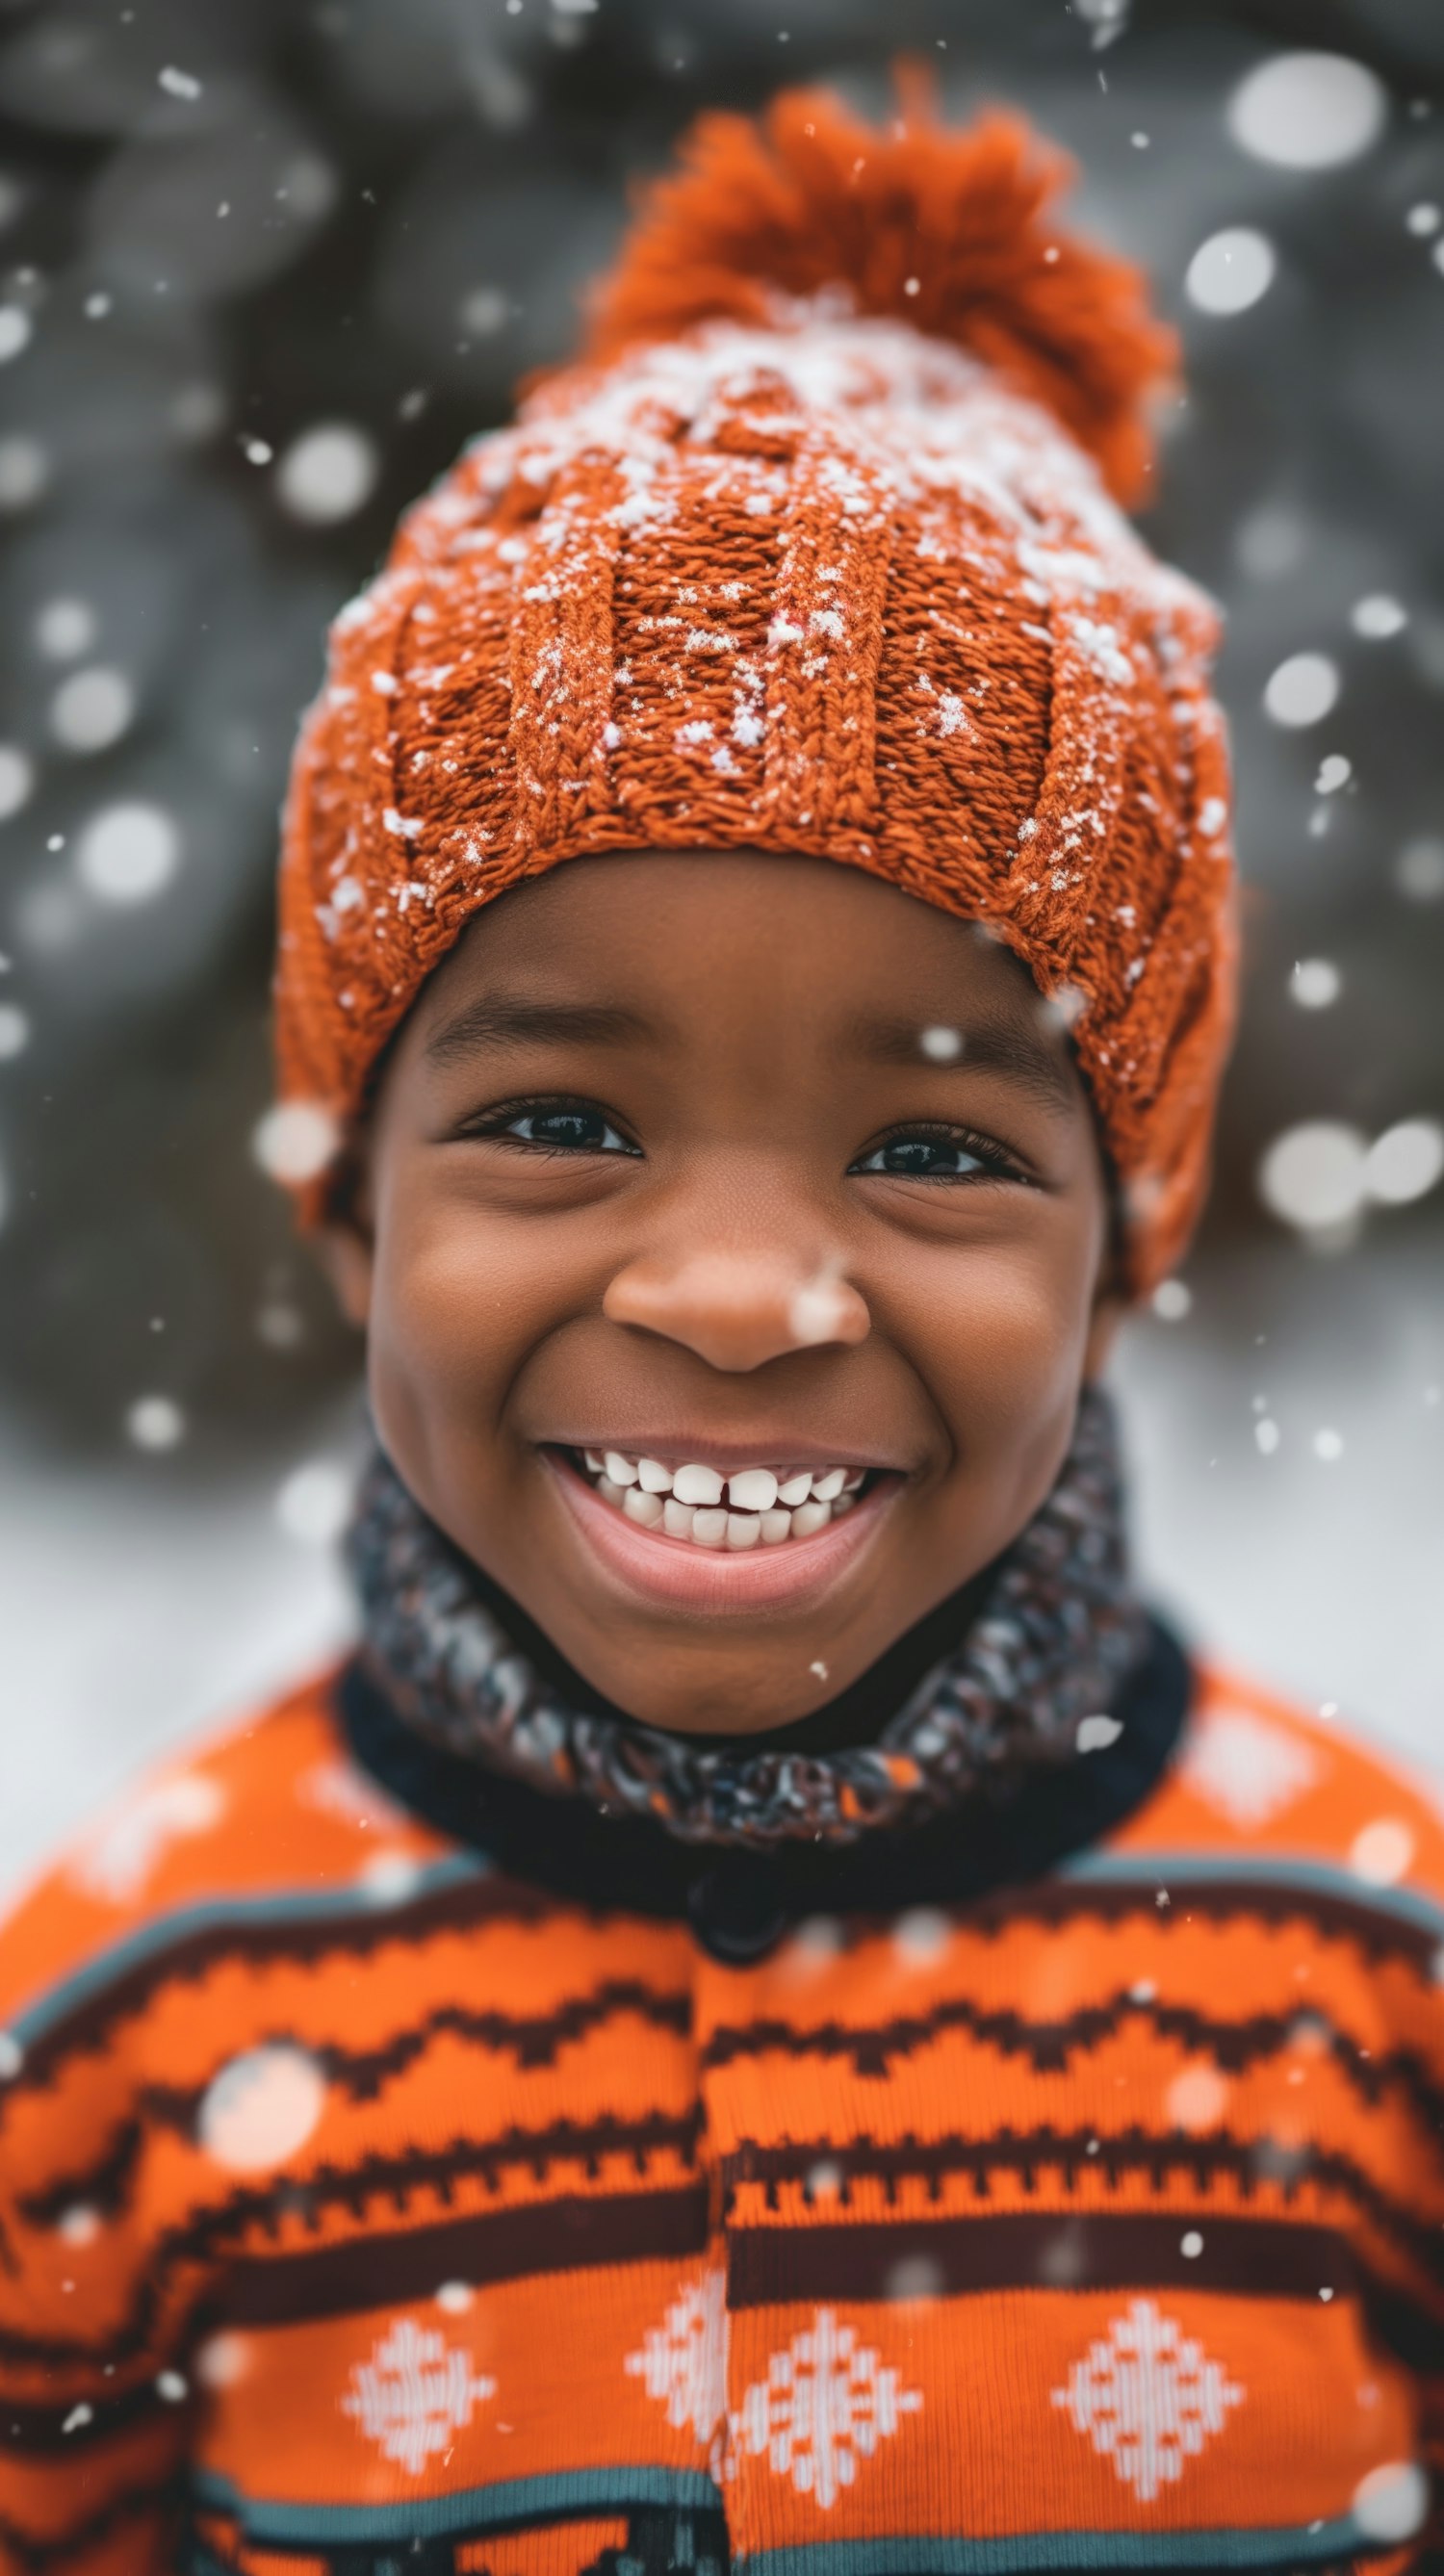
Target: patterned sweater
[372,2207]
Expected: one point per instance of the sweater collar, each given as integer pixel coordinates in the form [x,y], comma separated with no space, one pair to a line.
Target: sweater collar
[992,1689]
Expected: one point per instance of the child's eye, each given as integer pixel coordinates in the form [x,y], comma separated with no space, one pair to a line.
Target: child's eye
[937,1154]
[555,1127]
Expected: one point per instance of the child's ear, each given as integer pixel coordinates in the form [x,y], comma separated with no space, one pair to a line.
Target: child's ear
[346,1244]
[1109,1309]
[346,1255]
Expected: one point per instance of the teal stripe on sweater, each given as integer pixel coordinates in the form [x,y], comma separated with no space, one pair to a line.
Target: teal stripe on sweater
[559,2497]
[1040,2553]
[1267,1871]
[351,1900]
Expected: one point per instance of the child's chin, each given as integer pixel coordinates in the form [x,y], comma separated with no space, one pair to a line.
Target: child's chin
[654,1572]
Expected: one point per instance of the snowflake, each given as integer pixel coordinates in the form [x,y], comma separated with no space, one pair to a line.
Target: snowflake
[1147,2398]
[116,1862]
[684,2360]
[824,2405]
[1246,1769]
[339,1788]
[414,2393]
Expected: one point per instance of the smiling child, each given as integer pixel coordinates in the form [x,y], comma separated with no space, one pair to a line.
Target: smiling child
[770,2018]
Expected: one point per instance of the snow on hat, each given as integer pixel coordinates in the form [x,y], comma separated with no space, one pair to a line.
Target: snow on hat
[817,548]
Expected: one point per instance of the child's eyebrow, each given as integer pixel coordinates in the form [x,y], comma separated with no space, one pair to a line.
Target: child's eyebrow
[989,1045]
[496,1020]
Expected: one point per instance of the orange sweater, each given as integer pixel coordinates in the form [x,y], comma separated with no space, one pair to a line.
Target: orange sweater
[367,2209]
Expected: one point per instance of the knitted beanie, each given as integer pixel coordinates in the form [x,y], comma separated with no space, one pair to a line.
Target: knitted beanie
[817,549]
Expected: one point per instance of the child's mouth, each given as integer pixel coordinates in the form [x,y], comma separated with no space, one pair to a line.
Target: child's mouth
[715,1507]
[775,1536]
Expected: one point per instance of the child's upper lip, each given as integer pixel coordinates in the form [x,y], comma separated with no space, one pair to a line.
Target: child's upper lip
[705,1448]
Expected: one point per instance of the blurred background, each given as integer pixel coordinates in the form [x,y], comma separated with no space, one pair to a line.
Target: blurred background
[266,264]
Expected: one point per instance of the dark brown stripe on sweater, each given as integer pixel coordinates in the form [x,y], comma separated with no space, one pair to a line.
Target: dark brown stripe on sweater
[552,2236]
[530,2039]
[229,2231]
[872,2049]
[1372,1930]
[1065,2154]
[911,2258]
[298,1941]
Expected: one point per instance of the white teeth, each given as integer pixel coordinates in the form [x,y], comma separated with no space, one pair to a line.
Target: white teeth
[688,1503]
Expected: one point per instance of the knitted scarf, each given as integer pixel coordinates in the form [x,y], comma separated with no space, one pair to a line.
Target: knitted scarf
[1057,1631]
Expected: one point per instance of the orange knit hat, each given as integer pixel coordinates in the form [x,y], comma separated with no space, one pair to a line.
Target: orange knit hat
[813,550]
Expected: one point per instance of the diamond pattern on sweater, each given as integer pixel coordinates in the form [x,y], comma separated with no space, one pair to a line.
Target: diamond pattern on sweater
[1246,1769]
[414,2395]
[826,2403]
[1148,2398]
[684,2360]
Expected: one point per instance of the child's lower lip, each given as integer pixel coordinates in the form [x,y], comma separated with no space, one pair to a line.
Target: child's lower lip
[717,1583]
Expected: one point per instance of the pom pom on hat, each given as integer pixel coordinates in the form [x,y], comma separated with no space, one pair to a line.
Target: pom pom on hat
[950,231]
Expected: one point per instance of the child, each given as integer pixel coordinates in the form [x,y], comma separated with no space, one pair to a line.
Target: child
[770,2018]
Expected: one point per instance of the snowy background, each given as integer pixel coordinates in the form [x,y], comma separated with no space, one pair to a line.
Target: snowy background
[265,265]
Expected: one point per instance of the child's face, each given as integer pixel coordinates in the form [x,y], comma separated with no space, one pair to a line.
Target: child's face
[734,1162]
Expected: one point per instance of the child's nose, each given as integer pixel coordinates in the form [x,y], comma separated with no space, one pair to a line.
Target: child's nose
[736,1311]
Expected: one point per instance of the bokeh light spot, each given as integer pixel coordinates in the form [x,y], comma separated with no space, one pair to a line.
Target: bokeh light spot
[92,709]
[14,1031]
[1307,111]
[1312,1176]
[155,1422]
[1378,615]
[1303,690]
[314,1504]
[1381,1852]
[327,473]
[1230,271]
[295,1141]
[1419,869]
[128,853]
[24,471]
[261,2108]
[1405,1162]
[17,777]
[65,627]
[1391,2502]
[1315,983]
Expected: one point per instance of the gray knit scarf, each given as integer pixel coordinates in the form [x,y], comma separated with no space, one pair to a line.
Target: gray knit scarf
[1057,1632]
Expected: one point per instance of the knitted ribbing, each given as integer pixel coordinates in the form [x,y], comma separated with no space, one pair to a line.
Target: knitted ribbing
[1056,1634]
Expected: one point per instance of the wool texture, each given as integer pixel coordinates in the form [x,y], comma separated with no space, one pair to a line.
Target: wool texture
[814,550]
[1057,1634]
[365,2206]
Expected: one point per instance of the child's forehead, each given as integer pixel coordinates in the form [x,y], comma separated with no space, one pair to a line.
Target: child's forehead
[703,928]
[703,954]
